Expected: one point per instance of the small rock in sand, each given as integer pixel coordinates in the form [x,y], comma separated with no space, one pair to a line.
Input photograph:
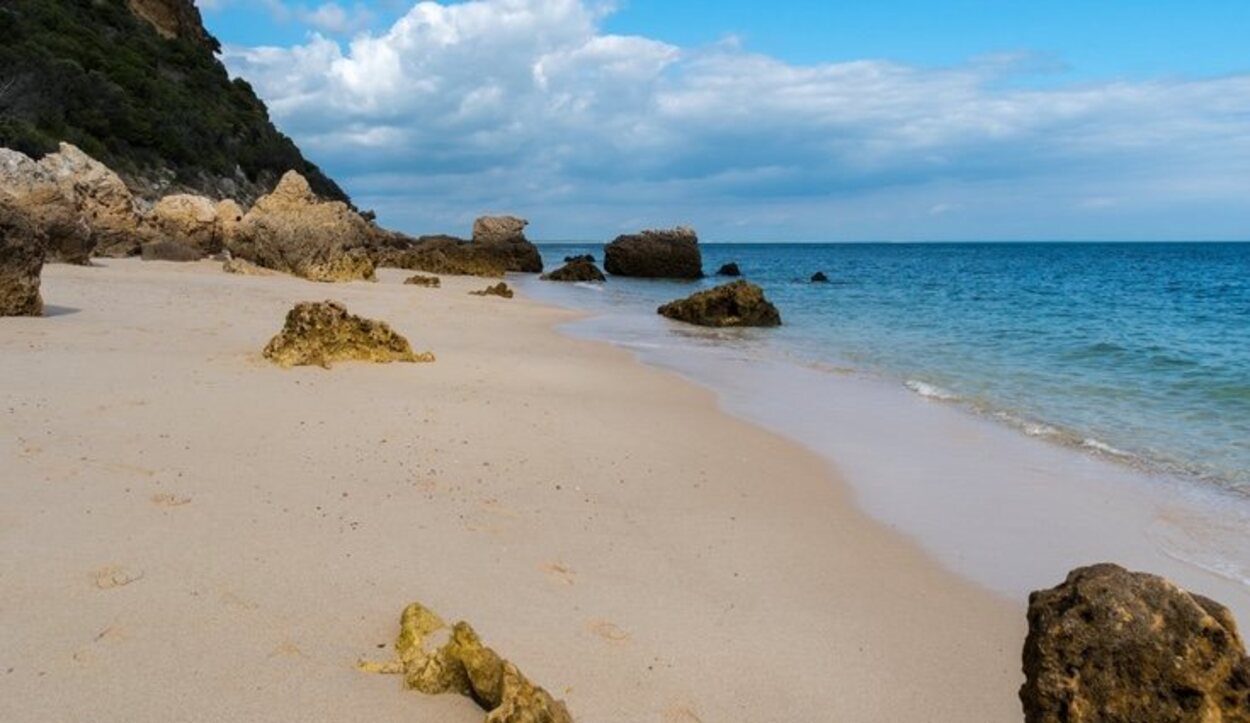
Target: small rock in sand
[320,333]
[500,289]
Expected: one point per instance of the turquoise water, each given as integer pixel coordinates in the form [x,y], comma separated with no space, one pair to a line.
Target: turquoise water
[1137,352]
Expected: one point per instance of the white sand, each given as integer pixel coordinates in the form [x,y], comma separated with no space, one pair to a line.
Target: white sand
[633,549]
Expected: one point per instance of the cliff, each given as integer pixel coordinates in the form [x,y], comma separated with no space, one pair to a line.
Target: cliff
[137,85]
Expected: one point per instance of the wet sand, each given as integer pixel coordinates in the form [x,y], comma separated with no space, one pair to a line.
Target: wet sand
[189,533]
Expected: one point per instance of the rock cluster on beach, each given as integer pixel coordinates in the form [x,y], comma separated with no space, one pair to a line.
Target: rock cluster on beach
[498,245]
[321,333]
[671,254]
[579,269]
[738,303]
[501,289]
[21,261]
[465,666]
[292,230]
[1113,646]
[431,282]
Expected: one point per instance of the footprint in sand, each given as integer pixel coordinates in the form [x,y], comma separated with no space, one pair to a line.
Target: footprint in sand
[112,634]
[111,576]
[168,499]
[681,714]
[608,631]
[558,573]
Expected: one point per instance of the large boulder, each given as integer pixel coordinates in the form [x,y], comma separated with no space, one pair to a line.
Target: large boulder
[739,303]
[106,204]
[1113,646]
[504,238]
[292,230]
[36,193]
[186,222]
[321,333]
[462,664]
[579,269]
[442,255]
[672,254]
[22,251]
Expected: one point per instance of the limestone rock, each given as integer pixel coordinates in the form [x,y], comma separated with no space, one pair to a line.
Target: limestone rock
[34,190]
[672,254]
[431,282]
[22,252]
[229,216]
[729,269]
[102,198]
[1113,646]
[504,237]
[245,268]
[464,666]
[294,231]
[576,270]
[320,333]
[175,19]
[188,221]
[500,289]
[738,303]
[443,255]
[820,278]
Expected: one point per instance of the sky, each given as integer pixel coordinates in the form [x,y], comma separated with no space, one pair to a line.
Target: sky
[793,120]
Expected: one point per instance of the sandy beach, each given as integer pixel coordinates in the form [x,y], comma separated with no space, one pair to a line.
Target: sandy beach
[189,533]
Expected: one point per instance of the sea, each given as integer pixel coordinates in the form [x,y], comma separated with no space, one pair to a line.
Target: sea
[1133,354]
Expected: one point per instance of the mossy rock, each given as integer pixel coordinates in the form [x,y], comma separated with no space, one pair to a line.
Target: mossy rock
[739,303]
[321,333]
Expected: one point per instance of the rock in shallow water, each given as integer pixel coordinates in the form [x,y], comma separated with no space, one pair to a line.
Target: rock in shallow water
[320,333]
[22,252]
[576,270]
[463,665]
[739,303]
[672,254]
[729,269]
[1113,646]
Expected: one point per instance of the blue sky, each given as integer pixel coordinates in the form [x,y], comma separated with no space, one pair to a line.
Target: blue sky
[903,119]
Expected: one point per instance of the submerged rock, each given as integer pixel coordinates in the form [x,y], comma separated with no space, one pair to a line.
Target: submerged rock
[820,278]
[500,289]
[22,253]
[431,282]
[672,254]
[294,231]
[580,257]
[503,237]
[738,303]
[320,333]
[729,269]
[579,269]
[464,666]
[1113,646]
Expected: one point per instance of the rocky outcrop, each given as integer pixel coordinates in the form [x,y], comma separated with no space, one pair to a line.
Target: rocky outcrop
[189,223]
[245,268]
[35,191]
[738,303]
[175,19]
[576,270]
[292,230]
[445,255]
[820,278]
[503,237]
[321,333]
[672,254]
[169,251]
[729,269]
[102,198]
[501,289]
[465,666]
[429,282]
[22,251]
[1113,646]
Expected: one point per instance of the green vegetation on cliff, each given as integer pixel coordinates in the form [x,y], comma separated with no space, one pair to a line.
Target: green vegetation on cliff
[92,73]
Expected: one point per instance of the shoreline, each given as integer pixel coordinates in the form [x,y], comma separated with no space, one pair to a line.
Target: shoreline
[1039,508]
[605,525]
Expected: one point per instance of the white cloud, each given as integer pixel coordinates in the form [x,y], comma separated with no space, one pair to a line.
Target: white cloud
[529,105]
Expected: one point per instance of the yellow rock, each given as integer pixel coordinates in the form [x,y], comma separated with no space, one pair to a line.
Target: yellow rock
[320,333]
[463,665]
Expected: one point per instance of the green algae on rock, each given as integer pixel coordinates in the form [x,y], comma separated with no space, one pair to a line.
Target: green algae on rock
[463,665]
[500,289]
[739,303]
[320,333]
